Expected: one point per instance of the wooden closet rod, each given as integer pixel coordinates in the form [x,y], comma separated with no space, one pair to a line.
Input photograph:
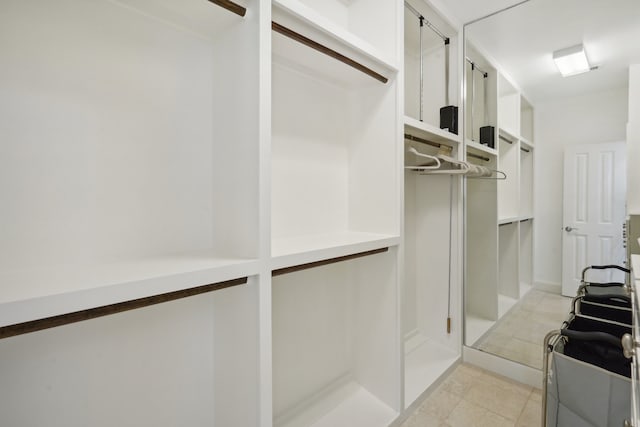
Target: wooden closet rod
[475,156]
[231,6]
[421,140]
[327,51]
[107,310]
[300,267]
[505,223]
[505,139]
[525,150]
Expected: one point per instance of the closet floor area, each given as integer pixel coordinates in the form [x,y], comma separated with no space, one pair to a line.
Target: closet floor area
[473,397]
[519,335]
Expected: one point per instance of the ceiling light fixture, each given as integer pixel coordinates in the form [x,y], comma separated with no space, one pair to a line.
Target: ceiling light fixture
[571,61]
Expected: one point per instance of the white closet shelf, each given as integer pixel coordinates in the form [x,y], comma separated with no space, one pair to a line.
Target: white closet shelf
[293,251]
[479,148]
[204,18]
[508,220]
[431,133]
[37,294]
[303,20]
[348,404]
[519,218]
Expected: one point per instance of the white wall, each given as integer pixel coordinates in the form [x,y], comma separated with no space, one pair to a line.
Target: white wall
[592,118]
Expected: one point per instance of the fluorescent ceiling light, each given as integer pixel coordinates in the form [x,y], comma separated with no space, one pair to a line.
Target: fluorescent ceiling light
[571,61]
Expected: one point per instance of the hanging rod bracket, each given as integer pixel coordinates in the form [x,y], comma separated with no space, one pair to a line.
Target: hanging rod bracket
[424,21]
[474,66]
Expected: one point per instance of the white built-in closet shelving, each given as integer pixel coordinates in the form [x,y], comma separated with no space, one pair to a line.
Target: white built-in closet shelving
[481,283]
[334,193]
[430,206]
[499,213]
[333,158]
[130,169]
[116,143]
[247,156]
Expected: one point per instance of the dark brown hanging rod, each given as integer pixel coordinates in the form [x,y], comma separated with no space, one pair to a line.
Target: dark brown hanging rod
[505,139]
[327,51]
[505,223]
[421,140]
[475,156]
[231,6]
[525,150]
[107,310]
[300,267]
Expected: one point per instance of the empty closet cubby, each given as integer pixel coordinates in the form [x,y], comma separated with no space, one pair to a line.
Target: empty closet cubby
[526,120]
[509,188]
[335,358]
[123,124]
[526,256]
[334,127]
[430,65]
[429,293]
[508,106]
[508,263]
[192,362]
[431,329]
[526,180]
[482,278]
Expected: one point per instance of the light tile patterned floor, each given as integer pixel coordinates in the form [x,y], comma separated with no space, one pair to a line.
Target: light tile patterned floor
[518,336]
[473,397]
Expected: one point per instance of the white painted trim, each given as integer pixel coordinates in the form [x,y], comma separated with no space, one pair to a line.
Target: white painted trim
[515,371]
[555,288]
[405,414]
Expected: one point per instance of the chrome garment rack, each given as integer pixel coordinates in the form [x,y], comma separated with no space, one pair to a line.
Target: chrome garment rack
[423,21]
[485,75]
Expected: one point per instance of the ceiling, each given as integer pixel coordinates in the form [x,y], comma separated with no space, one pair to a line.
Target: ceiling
[522,39]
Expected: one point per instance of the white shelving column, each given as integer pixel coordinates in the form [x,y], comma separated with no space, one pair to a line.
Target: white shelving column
[481,288]
[130,170]
[482,275]
[527,155]
[431,208]
[508,194]
[334,195]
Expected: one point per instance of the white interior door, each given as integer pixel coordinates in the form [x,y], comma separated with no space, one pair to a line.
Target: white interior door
[594,211]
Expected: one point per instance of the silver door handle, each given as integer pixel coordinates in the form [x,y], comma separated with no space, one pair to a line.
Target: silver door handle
[569,229]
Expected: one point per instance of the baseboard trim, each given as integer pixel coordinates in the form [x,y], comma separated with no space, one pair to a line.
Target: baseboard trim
[507,368]
[555,288]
